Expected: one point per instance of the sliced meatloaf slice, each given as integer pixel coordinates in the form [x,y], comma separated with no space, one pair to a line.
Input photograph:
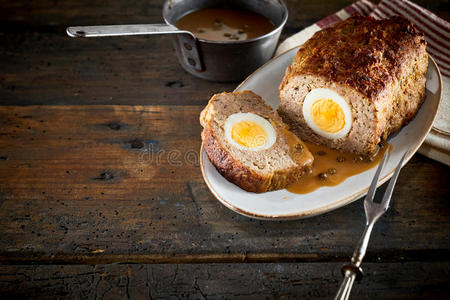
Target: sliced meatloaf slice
[377,66]
[272,168]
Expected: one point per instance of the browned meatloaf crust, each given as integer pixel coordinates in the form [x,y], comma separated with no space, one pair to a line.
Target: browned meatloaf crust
[255,171]
[377,66]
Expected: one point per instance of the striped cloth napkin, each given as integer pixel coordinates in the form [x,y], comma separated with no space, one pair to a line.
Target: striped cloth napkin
[437,34]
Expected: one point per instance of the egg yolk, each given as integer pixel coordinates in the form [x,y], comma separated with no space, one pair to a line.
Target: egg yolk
[328,115]
[248,134]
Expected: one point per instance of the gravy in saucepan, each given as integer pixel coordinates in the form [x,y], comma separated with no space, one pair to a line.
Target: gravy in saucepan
[225,25]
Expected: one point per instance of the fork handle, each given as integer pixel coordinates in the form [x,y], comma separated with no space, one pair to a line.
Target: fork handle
[361,248]
[346,285]
[351,272]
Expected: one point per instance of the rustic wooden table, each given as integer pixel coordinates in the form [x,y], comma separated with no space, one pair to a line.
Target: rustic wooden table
[88,211]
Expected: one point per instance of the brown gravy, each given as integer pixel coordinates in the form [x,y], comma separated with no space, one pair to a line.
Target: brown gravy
[331,167]
[221,24]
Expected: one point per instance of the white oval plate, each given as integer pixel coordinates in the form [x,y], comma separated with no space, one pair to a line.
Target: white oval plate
[283,204]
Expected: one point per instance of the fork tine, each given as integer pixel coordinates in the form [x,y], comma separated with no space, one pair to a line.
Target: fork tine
[388,193]
[373,185]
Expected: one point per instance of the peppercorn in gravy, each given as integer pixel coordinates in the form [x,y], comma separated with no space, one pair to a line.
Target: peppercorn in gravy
[225,25]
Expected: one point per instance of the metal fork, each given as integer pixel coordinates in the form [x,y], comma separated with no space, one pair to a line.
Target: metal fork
[373,211]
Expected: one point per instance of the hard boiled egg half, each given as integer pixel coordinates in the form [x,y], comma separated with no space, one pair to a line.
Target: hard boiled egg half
[249,131]
[327,113]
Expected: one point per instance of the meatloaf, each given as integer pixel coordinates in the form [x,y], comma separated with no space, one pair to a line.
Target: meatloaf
[267,169]
[377,66]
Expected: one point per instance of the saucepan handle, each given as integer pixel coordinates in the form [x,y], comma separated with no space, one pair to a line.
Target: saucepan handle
[120,30]
[186,39]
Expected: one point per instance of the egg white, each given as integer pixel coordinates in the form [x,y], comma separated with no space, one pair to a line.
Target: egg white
[250,117]
[323,93]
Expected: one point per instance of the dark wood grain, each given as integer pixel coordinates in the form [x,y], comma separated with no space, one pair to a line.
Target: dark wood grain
[101,195]
[38,59]
[56,69]
[122,183]
[48,14]
[223,281]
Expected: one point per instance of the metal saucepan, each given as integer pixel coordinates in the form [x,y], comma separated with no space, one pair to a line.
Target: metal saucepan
[210,60]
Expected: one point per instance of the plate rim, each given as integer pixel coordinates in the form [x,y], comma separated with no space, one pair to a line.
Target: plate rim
[331,206]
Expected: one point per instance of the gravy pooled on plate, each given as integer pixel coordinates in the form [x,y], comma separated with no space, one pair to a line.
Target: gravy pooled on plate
[331,167]
[225,25]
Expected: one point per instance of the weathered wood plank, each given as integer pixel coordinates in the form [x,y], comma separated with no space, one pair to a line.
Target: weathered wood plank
[38,59]
[56,69]
[49,13]
[223,281]
[97,184]
[122,183]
